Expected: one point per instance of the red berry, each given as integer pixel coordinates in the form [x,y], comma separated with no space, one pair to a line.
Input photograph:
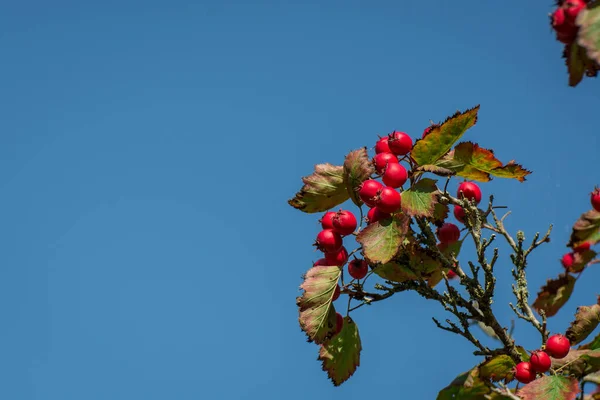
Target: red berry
[540,361]
[459,214]
[567,37]
[375,214]
[336,293]
[568,260]
[389,200]
[451,274]
[367,191]
[572,10]
[320,261]
[448,233]
[582,248]
[339,323]
[381,160]
[524,373]
[394,175]
[337,258]
[400,143]
[558,18]
[595,199]
[426,131]
[344,222]
[358,268]
[470,191]
[329,241]
[327,220]
[382,146]
[558,346]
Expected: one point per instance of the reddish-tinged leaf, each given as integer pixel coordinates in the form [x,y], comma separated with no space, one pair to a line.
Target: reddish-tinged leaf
[586,229]
[589,34]
[580,260]
[435,169]
[554,294]
[466,386]
[420,199]
[586,320]
[552,387]
[357,169]
[396,272]
[322,190]
[341,354]
[593,345]
[441,138]
[381,240]
[440,213]
[317,314]
[476,163]
[579,362]
[498,368]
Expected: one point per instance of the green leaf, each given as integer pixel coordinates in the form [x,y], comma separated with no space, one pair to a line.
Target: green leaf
[322,190]
[441,138]
[579,362]
[586,229]
[593,345]
[466,386]
[395,272]
[341,355]
[576,62]
[435,169]
[476,163]
[381,240]
[498,368]
[554,294]
[523,353]
[440,213]
[589,31]
[357,169]
[317,314]
[552,387]
[586,320]
[420,199]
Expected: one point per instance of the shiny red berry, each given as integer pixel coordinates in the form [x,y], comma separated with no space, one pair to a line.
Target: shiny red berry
[595,199]
[400,143]
[358,268]
[381,160]
[470,191]
[388,200]
[327,220]
[558,346]
[568,260]
[344,222]
[337,258]
[320,262]
[459,214]
[339,323]
[336,293]
[368,190]
[382,146]
[329,241]
[375,214]
[451,274]
[394,175]
[448,233]
[524,373]
[582,248]
[540,361]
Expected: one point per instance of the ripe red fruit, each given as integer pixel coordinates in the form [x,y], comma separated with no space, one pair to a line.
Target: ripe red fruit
[336,293]
[327,220]
[337,258]
[448,233]
[388,200]
[358,268]
[568,260]
[400,143]
[344,222]
[375,214]
[367,191]
[329,241]
[470,191]
[524,373]
[582,248]
[394,175]
[572,10]
[320,261]
[459,214]
[382,146]
[339,323]
[558,18]
[595,199]
[451,274]
[426,131]
[558,346]
[382,159]
[540,361]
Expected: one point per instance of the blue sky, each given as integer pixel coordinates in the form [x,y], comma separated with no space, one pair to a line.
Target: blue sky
[148,150]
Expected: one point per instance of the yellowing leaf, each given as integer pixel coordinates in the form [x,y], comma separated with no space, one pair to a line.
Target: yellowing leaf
[498,368]
[553,387]
[357,169]
[586,229]
[322,190]
[341,354]
[420,199]
[381,240]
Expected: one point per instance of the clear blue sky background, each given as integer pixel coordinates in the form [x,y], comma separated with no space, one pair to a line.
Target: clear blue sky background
[148,150]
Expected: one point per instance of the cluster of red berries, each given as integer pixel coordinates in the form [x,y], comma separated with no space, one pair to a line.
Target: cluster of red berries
[335,226]
[563,20]
[557,346]
[569,258]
